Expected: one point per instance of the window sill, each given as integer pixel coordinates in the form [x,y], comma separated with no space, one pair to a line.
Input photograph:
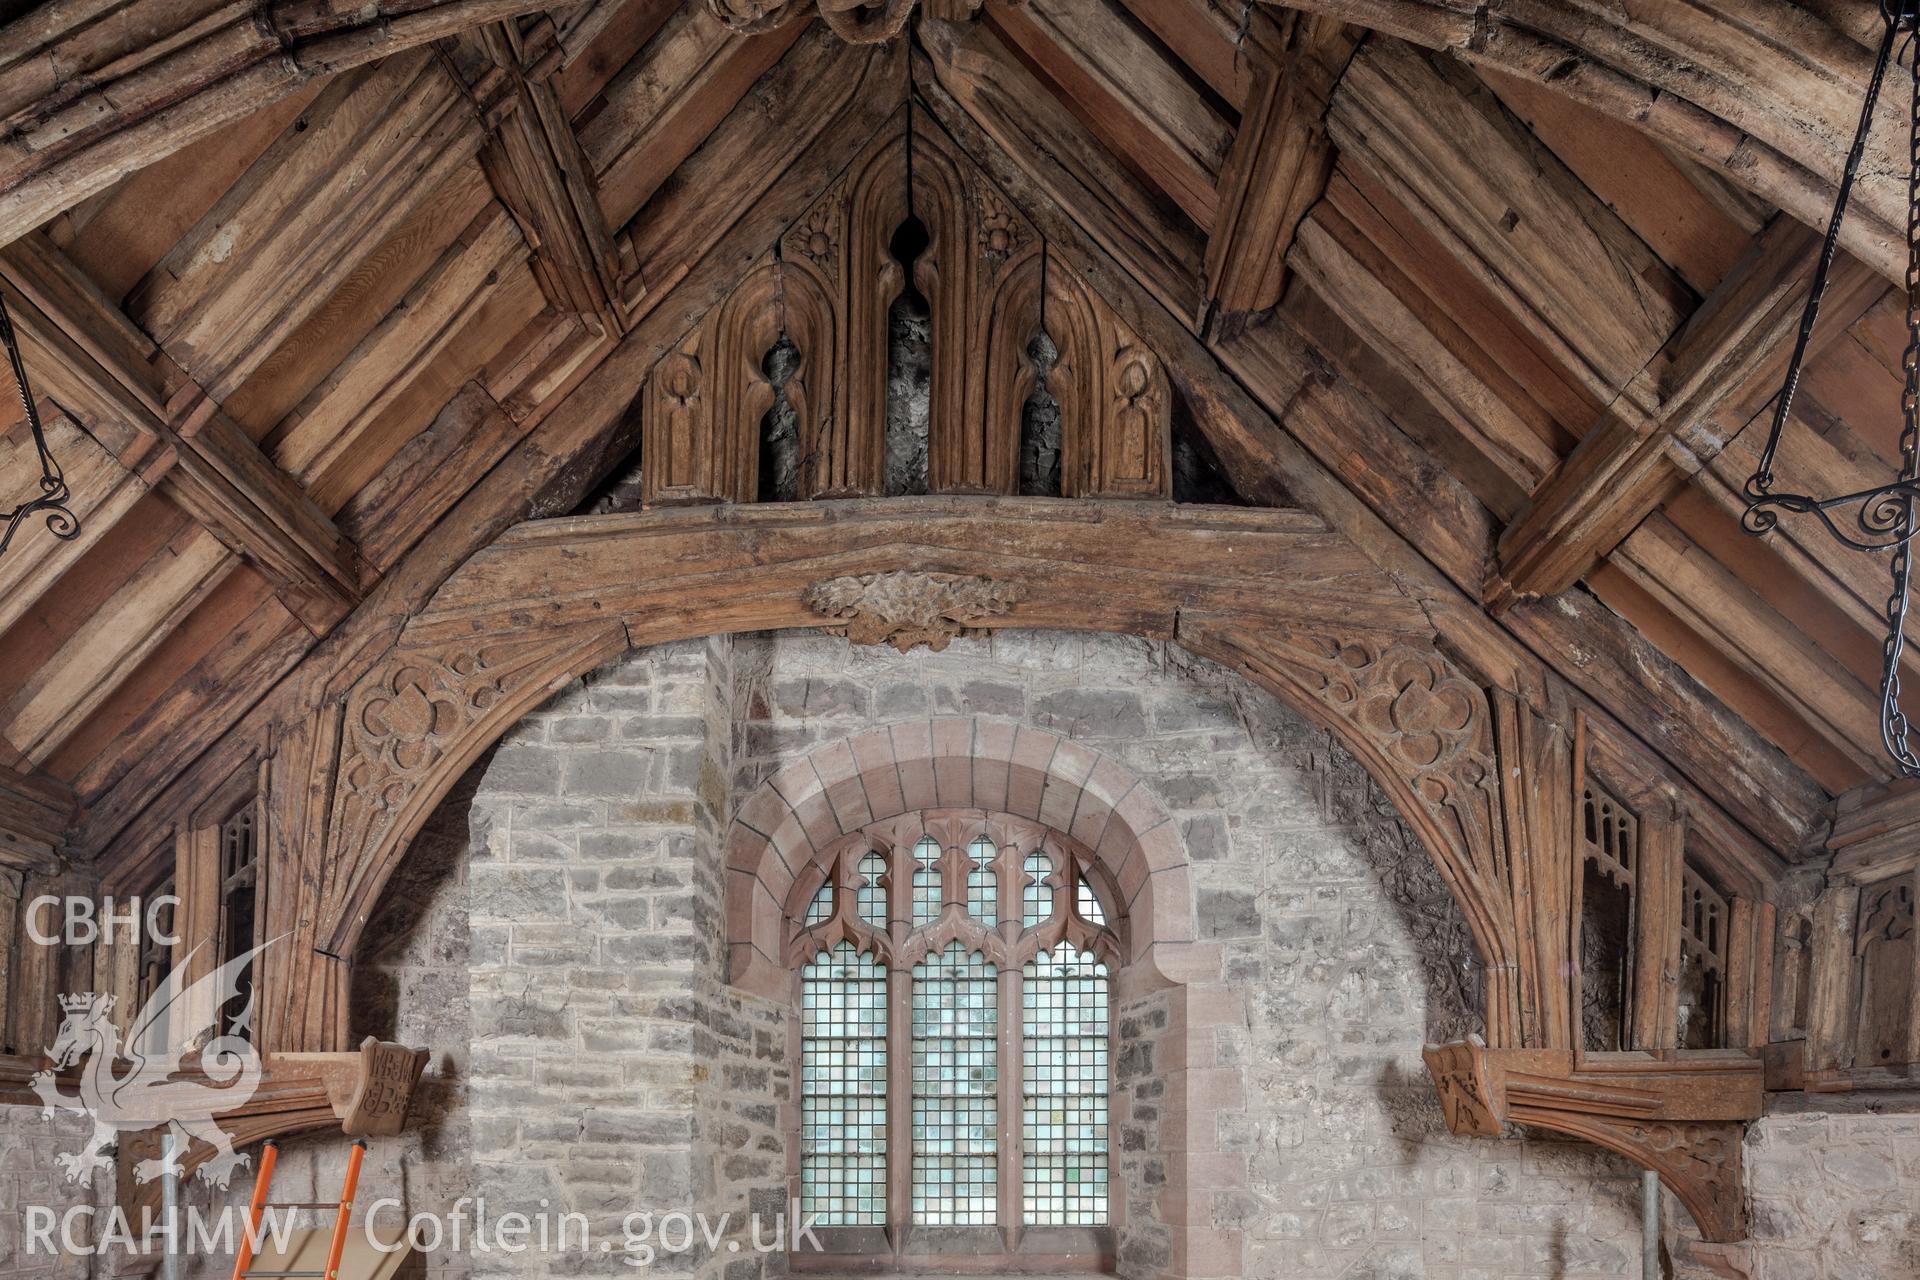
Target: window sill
[947,1252]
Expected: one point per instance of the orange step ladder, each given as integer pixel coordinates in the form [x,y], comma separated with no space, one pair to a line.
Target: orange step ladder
[259,1204]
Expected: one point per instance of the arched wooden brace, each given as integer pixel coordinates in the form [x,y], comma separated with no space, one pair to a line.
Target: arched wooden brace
[1275,594]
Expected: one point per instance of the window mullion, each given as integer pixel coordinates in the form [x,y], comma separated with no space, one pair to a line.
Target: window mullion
[1012,1106]
[899,1106]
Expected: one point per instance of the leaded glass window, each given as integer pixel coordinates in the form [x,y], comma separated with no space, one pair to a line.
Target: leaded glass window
[873,894]
[1090,909]
[919,1013]
[1038,899]
[843,1089]
[982,895]
[926,881]
[1064,1046]
[956,1118]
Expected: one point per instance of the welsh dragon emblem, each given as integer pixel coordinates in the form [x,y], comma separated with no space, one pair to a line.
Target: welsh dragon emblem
[153,1089]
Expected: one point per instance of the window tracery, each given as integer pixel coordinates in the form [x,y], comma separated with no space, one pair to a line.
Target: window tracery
[955,972]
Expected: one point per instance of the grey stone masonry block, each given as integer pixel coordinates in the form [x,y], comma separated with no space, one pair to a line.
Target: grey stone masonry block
[605,773]
[1091,713]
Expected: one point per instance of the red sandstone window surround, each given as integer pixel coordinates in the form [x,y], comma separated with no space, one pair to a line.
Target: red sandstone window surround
[953,971]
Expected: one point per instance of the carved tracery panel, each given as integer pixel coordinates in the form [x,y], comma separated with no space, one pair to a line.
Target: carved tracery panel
[1884,950]
[829,289]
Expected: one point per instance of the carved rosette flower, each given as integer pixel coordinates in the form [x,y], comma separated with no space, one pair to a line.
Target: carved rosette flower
[1001,230]
[906,608]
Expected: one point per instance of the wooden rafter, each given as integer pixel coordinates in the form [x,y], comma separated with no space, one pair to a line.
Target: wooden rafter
[1280,160]
[817,117]
[1766,97]
[90,98]
[1129,93]
[538,170]
[1706,383]
[171,435]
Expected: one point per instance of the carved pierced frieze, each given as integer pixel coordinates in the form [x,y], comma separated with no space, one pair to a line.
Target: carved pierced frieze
[906,608]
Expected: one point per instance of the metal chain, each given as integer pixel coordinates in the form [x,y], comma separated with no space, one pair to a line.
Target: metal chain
[1895,729]
[54,496]
[1760,484]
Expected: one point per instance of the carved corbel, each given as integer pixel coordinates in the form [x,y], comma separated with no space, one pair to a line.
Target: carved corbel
[1684,1119]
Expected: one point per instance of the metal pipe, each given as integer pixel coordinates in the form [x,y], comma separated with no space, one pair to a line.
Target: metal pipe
[171,1151]
[1649,1225]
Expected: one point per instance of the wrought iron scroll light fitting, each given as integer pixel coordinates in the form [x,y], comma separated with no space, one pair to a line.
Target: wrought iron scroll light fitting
[54,496]
[1880,519]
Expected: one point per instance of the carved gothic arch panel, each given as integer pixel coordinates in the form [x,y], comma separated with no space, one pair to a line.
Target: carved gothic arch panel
[991,289]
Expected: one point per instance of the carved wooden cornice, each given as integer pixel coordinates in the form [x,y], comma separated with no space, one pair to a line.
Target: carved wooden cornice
[1685,1119]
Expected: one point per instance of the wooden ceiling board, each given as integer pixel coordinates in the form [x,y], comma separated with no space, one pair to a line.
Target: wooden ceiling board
[1205,36]
[633,25]
[1751,700]
[60,694]
[217,627]
[1691,232]
[103,492]
[1129,90]
[121,234]
[495,316]
[112,560]
[262,403]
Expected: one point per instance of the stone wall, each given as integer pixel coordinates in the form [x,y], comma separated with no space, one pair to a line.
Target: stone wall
[1835,1196]
[30,1175]
[554,935]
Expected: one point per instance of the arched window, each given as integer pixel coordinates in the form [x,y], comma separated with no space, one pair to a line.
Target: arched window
[954,973]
